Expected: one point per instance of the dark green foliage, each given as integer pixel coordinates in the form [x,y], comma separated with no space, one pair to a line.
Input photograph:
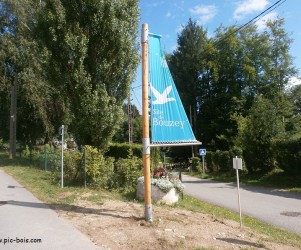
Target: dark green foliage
[155,157]
[21,60]
[180,153]
[220,77]
[288,155]
[209,161]
[93,59]
[196,164]
[264,124]
[73,63]
[219,161]
[122,134]
[121,150]
[73,167]
[127,171]
[224,161]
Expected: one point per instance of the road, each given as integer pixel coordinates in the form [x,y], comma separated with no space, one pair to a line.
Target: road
[276,207]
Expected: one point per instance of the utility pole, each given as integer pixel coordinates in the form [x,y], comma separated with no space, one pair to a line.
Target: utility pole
[145,125]
[13,120]
[130,120]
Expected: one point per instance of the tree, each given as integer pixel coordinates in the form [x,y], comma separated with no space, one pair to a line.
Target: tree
[279,68]
[93,57]
[293,123]
[20,63]
[262,126]
[186,65]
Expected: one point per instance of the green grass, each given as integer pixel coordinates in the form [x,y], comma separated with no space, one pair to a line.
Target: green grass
[275,179]
[40,183]
[274,234]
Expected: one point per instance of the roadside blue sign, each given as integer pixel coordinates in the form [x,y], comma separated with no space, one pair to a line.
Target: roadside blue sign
[202,151]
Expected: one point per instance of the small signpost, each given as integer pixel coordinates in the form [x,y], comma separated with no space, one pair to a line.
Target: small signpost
[237,164]
[203,153]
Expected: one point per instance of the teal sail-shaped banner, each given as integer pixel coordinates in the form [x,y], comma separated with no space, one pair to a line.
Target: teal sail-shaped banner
[169,122]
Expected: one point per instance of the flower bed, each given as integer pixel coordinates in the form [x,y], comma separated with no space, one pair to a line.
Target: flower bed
[163,190]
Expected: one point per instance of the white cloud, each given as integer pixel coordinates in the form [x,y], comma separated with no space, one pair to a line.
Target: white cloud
[174,48]
[204,13]
[261,23]
[168,14]
[179,28]
[247,7]
[294,81]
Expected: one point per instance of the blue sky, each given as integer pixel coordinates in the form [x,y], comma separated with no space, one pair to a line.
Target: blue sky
[168,17]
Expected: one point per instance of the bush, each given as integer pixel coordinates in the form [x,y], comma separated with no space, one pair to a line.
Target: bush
[288,155]
[127,172]
[35,157]
[73,168]
[120,150]
[100,170]
[155,156]
[209,161]
[196,164]
[224,161]
[259,158]
[219,161]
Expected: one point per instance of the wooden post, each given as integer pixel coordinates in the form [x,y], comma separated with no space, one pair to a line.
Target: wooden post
[145,125]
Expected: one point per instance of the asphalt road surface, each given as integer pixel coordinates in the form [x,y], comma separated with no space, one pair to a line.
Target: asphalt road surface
[279,208]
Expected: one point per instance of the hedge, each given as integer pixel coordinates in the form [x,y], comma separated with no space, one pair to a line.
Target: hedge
[121,150]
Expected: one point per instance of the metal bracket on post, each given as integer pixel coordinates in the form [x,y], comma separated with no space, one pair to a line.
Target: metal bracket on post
[146,146]
[144,34]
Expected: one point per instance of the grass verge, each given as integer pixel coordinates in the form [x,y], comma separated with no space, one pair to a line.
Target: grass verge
[275,179]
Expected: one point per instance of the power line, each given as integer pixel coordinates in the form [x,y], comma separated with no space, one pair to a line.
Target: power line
[255,19]
[136,98]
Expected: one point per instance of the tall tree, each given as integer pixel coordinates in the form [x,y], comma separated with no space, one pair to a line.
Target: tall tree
[280,67]
[20,63]
[187,64]
[93,50]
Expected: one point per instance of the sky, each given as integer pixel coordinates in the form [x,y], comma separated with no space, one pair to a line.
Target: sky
[167,18]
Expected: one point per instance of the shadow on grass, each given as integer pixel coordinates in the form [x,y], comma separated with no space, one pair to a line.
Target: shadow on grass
[242,242]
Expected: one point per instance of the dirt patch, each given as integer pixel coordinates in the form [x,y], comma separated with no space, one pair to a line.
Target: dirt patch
[121,225]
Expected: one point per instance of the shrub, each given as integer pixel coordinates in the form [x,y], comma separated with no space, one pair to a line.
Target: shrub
[120,150]
[196,164]
[155,156]
[219,161]
[288,155]
[209,161]
[127,172]
[34,156]
[223,161]
[73,168]
[100,170]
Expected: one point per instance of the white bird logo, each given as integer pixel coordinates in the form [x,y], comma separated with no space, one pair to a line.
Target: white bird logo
[162,98]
